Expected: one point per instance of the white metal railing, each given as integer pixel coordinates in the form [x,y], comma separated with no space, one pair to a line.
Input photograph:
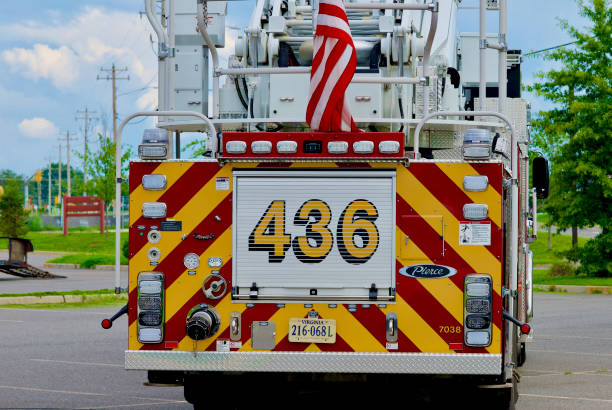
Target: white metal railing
[211,130]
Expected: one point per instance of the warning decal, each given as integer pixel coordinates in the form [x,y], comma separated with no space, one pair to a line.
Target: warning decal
[223,184]
[474,233]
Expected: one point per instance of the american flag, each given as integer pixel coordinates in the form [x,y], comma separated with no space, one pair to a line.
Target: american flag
[333,66]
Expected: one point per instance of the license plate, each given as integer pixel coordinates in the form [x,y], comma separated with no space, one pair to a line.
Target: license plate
[312,330]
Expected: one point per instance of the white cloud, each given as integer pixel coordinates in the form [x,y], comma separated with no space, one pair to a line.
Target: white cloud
[148,100]
[93,38]
[37,127]
[58,65]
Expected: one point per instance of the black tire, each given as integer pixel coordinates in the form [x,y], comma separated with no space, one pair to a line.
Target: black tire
[522,355]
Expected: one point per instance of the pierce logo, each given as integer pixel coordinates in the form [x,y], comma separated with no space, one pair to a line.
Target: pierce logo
[427,271]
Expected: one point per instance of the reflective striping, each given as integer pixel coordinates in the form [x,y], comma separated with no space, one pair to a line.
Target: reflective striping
[456,172]
[172,171]
[424,203]
[416,329]
[281,319]
[495,346]
[442,289]
[224,308]
[353,332]
[186,285]
[312,348]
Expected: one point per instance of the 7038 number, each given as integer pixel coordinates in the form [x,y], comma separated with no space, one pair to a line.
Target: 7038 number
[356,233]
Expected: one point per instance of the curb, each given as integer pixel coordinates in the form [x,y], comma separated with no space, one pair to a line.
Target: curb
[30,300]
[606,290]
[124,268]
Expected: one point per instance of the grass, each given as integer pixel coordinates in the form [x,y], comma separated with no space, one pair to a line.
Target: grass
[85,242]
[560,243]
[69,292]
[88,260]
[541,277]
[88,302]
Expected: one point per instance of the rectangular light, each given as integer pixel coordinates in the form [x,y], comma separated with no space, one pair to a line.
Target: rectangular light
[477,144]
[154,210]
[477,338]
[150,286]
[153,151]
[477,322]
[389,147]
[337,147]
[149,302]
[286,147]
[261,147]
[363,147]
[475,212]
[235,147]
[149,335]
[477,306]
[475,183]
[478,289]
[154,182]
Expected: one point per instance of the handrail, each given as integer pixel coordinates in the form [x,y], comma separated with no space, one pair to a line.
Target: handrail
[213,53]
[211,130]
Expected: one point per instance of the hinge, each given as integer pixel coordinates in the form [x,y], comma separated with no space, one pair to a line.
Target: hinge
[373,292]
[483,43]
[253,293]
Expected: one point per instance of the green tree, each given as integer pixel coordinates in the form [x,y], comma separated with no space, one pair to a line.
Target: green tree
[101,170]
[12,215]
[579,126]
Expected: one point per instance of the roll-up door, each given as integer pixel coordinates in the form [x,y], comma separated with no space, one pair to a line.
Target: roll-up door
[307,235]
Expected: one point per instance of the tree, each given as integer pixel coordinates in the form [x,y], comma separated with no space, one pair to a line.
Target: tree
[581,181]
[101,169]
[12,215]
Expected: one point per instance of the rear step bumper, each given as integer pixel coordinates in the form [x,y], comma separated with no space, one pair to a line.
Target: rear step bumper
[326,362]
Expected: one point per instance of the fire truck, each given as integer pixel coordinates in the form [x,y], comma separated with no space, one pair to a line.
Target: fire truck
[286,254]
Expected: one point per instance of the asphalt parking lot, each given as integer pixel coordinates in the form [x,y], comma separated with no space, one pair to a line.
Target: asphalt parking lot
[63,359]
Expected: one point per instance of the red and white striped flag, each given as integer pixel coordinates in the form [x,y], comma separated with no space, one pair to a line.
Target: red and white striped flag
[333,65]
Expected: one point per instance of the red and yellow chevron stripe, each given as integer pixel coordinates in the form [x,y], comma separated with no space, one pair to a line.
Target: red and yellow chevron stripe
[429,202]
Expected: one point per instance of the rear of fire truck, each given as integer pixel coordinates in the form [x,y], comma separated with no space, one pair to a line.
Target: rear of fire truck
[287,254]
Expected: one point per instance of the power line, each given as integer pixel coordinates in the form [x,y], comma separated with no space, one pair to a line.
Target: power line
[531,53]
[86,117]
[113,70]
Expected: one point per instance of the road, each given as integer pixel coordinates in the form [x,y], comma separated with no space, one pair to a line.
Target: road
[76,279]
[63,359]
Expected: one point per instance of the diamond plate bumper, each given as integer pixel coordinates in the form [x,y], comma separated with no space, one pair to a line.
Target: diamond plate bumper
[325,362]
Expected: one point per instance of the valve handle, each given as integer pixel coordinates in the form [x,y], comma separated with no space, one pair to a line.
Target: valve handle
[215,289]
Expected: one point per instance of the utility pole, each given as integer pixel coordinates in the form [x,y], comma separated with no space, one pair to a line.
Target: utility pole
[49,186]
[113,76]
[59,174]
[85,117]
[68,169]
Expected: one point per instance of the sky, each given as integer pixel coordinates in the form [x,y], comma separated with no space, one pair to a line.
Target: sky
[52,51]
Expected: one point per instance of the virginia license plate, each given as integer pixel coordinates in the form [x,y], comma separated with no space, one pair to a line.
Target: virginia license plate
[312,330]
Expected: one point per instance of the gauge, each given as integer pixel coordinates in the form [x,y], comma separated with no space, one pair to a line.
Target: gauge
[191,261]
[215,262]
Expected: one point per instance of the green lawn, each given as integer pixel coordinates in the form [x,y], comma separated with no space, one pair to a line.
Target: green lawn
[88,260]
[541,277]
[542,255]
[83,242]
[92,301]
[69,292]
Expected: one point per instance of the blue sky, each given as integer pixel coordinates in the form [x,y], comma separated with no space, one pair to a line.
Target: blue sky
[51,52]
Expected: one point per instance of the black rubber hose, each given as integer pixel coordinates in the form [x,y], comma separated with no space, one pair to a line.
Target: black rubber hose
[401,108]
[242,100]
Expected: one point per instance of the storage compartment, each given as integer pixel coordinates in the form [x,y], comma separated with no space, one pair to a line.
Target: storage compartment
[314,235]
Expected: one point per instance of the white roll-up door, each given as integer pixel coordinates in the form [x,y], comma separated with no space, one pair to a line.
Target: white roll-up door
[324,234]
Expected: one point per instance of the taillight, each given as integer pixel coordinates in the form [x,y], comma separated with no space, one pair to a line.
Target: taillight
[477,310]
[150,307]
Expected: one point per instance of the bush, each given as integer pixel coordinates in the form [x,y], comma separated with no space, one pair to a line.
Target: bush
[595,256]
[125,250]
[562,269]
[36,224]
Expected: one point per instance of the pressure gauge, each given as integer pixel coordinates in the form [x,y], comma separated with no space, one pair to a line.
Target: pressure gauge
[215,262]
[191,261]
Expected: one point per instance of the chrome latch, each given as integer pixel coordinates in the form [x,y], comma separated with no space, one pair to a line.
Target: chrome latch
[391,327]
[235,326]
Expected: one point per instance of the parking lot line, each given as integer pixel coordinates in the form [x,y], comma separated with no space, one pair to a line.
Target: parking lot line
[52,391]
[80,363]
[582,353]
[117,406]
[544,396]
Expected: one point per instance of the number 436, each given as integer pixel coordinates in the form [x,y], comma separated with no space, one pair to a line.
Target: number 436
[356,234]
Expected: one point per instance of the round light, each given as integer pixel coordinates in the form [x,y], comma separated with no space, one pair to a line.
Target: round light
[215,262]
[191,261]
[525,329]
[106,324]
